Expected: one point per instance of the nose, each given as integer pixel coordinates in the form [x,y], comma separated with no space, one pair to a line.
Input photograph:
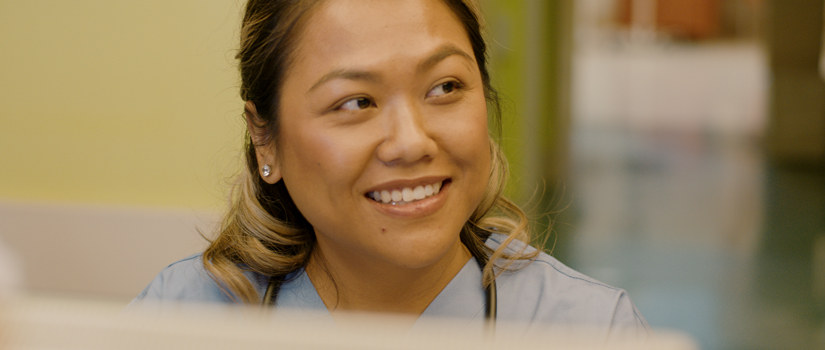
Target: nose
[407,139]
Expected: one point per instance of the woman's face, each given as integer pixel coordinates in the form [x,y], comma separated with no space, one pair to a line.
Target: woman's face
[383,142]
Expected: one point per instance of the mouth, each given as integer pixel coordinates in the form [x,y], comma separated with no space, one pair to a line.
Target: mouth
[406,195]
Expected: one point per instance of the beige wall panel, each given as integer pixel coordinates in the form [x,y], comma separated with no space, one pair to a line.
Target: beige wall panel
[124,102]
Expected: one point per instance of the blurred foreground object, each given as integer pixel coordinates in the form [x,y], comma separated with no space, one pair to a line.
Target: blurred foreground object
[34,323]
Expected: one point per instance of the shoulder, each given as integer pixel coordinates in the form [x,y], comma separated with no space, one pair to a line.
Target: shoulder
[544,290]
[185,280]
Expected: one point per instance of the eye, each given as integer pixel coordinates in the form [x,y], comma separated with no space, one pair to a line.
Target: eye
[444,88]
[355,104]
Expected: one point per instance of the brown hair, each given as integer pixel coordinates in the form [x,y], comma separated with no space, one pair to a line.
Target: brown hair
[264,231]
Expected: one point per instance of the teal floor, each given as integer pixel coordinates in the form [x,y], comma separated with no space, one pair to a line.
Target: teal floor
[708,236]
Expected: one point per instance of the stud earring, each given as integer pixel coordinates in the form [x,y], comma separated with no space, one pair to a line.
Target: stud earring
[266,170]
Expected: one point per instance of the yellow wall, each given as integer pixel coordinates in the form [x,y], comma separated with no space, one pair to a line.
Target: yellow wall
[119,102]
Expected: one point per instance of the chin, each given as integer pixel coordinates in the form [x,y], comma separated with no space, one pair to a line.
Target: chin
[423,253]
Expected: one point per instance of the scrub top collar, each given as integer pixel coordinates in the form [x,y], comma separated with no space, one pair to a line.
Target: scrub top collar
[462,298]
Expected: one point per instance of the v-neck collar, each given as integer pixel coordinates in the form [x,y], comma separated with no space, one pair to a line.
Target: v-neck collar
[462,298]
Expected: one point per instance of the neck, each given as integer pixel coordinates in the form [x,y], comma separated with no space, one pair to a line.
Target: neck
[363,285]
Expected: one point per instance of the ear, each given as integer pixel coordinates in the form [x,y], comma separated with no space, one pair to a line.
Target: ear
[264,146]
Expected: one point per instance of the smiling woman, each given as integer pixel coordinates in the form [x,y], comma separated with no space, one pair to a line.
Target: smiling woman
[372,181]
[333,150]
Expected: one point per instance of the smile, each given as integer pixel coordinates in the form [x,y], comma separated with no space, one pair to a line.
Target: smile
[405,195]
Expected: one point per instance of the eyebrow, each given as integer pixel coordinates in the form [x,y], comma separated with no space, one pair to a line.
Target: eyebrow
[347,74]
[441,54]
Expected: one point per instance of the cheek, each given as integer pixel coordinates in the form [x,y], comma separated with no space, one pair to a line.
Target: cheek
[321,156]
[477,148]
[469,136]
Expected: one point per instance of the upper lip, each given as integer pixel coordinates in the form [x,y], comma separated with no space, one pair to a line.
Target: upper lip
[410,183]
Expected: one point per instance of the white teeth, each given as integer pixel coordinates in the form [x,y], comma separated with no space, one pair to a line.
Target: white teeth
[406,194]
[418,192]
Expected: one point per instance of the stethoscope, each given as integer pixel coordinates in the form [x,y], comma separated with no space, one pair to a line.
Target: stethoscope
[490,294]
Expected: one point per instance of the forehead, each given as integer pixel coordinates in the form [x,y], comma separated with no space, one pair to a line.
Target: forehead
[363,32]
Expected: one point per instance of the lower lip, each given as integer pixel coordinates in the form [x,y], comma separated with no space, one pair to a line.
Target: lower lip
[416,209]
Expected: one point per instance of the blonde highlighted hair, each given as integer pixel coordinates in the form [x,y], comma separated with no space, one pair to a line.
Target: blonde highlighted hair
[263,231]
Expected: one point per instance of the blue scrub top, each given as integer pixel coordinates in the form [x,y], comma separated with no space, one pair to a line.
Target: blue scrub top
[543,291]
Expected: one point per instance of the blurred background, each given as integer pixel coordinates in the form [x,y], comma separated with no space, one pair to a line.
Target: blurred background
[676,146]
